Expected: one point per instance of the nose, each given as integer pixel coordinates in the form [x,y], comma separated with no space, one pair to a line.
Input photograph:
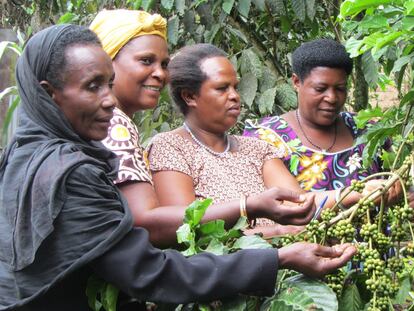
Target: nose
[234,95]
[109,101]
[160,73]
[331,96]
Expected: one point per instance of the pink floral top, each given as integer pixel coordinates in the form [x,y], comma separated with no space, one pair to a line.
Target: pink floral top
[314,170]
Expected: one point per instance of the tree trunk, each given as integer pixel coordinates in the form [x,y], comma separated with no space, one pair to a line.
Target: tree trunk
[360,87]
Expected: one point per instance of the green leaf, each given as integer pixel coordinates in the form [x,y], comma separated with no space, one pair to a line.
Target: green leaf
[409,5]
[244,7]
[216,247]
[251,242]
[266,101]
[240,224]
[291,299]
[66,18]
[227,6]
[94,287]
[401,62]
[299,7]
[172,30]
[195,211]
[353,47]
[366,115]
[373,22]
[148,4]
[250,62]
[408,98]
[407,23]
[321,294]
[9,45]
[310,9]
[350,299]
[403,291]
[8,118]
[247,88]
[260,5]
[353,7]
[167,4]
[185,234]
[370,69]
[286,96]
[387,39]
[110,297]
[180,6]
[213,228]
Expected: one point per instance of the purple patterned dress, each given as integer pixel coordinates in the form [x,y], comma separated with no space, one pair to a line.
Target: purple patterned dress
[314,170]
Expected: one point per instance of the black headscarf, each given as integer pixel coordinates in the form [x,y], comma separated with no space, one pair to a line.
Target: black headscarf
[36,247]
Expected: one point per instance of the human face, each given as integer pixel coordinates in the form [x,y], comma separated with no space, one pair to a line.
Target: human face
[321,95]
[140,73]
[218,102]
[86,98]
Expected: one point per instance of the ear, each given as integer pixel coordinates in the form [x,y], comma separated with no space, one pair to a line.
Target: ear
[189,98]
[48,88]
[295,81]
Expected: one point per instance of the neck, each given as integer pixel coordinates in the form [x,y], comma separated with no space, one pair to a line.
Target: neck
[214,141]
[311,125]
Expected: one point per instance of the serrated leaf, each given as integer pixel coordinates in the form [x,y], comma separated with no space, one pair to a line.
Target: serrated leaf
[250,62]
[251,242]
[247,88]
[351,299]
[373,22]
[244,7]
[310,9]
[320,293]
[267,101]
[370,69]
[299,7]
[227,6]
[286,96]
[167,4]
[172,30]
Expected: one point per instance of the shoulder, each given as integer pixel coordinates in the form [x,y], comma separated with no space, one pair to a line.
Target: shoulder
[122,130]
[265,122]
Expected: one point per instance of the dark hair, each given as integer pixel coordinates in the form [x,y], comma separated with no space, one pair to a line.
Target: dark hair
[320,53]
[185,71]
[75,35]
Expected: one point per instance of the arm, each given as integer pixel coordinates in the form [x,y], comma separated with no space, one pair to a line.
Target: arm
[167,276]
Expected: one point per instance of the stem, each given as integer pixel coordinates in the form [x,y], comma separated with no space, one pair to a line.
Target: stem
[404,135]
[381,214]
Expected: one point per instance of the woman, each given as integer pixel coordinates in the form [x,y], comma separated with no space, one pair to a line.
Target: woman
[62,217]
[136,43]
[317,140]
[200,160]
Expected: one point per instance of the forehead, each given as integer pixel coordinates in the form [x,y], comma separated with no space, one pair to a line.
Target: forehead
[87,59]
[217,67]
[326,75]
[146,44]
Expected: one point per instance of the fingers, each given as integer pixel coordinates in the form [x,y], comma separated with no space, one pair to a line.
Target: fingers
[330,264]
[282,194]
[299,215]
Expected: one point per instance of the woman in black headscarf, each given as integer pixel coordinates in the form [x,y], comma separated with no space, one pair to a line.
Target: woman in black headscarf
[62,218]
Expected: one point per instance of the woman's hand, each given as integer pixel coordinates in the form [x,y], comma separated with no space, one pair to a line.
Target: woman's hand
[314,260]
[270,204]
[391,196]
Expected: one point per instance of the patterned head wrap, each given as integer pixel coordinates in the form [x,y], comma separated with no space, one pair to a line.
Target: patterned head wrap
[116,27]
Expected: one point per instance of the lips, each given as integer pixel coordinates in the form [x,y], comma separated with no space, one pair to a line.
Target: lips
[153,88]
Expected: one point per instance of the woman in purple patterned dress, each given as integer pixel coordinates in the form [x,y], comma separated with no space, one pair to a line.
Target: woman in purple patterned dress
[317,140]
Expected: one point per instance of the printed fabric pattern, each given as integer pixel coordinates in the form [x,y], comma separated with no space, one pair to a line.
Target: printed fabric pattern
[123,140]
[313,169]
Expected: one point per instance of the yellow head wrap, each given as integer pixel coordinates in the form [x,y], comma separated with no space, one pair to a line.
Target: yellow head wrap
[116,27]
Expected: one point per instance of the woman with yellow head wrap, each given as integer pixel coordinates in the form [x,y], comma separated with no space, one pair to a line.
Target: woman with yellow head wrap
[136,42]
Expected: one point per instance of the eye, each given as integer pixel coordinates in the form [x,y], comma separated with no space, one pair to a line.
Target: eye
[164,65]
[146,61]
[320,89]
[93,86]
[111,84]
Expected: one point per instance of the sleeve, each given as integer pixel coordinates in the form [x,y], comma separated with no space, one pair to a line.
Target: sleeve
[123,140]
[167,153]
[147,273]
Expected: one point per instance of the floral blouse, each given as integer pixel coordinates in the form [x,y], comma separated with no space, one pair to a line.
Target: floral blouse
[123,140]
[315,170]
